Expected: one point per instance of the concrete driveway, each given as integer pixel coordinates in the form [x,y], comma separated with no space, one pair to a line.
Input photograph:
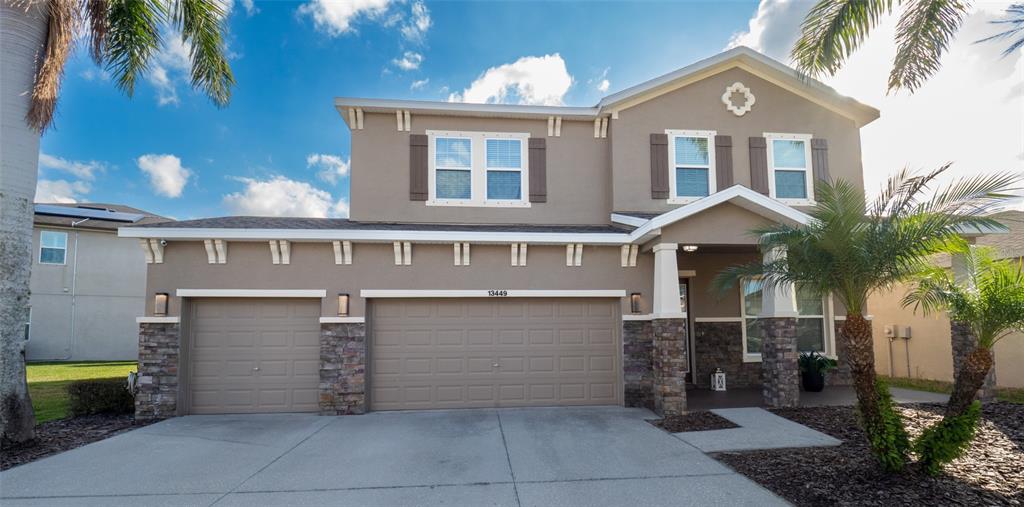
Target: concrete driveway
[508,457]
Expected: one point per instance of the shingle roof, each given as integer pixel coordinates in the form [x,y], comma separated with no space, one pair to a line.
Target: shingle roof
[242,222]
[96,223]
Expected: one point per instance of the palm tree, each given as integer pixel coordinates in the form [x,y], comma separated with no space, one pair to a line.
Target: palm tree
[36,37]
[834,29]
[989,299]
[852,249]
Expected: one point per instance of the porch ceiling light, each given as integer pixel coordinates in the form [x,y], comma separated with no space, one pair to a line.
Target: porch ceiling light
[690,248]
[160,304]
[342,305]
[634,302]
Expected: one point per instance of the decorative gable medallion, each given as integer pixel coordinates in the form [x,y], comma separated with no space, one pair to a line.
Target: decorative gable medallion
[748,97]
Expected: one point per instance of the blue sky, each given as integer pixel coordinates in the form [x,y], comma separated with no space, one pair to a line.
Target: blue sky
[281,148]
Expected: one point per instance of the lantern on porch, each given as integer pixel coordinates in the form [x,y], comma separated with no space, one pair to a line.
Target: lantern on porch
[718,380]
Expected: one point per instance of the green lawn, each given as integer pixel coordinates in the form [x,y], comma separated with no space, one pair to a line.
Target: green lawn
[47,383]
[1010,394]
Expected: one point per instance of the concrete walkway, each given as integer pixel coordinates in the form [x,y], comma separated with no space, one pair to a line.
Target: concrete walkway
[759,429]
[510,457]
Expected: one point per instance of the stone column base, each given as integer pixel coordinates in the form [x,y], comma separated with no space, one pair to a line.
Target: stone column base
[779,362]
[964,342]
[669,365]
[159,354]
[637,374]
[342,369]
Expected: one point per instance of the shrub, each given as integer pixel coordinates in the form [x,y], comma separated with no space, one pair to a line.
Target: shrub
[105,396]
[814,362]
[947,440]
[889,441]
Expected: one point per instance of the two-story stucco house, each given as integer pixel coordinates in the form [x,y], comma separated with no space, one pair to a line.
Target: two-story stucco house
[513,255]
[88,285]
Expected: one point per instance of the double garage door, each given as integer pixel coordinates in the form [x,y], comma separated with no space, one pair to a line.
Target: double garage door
[261,355]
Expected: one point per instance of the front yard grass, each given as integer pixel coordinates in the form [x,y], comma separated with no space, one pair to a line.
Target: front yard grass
[1010,394]
[47,383]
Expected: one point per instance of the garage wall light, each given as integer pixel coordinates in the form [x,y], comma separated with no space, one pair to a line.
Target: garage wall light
[342,305]
[634,302]
[160,304]
[690,248]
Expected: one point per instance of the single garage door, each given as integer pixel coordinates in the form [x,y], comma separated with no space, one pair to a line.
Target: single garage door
[254,355]
[461,353]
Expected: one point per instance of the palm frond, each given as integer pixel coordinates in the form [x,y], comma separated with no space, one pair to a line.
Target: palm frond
[132,38]
[833,30]
[96,12]
[60,34]
[924,32]
[201,24]
[1015,18]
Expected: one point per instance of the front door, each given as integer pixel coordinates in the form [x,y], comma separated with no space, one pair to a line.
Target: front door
[684,306]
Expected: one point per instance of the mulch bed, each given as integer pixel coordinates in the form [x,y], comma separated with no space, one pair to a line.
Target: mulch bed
[58,436]
[991,472]
[693,421]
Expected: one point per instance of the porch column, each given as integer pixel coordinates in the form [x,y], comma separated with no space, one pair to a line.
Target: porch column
[669,329]
[779,368]
[964,341]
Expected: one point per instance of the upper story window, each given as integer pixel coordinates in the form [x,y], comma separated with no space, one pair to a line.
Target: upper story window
[478,169]
[789,168]
[53,247]
[691,164]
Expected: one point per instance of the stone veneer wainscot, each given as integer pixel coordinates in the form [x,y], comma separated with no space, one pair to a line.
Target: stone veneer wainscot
[159,357]
[342,368]
[637,367]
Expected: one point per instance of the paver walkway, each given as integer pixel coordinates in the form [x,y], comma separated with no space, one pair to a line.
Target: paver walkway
[759,429]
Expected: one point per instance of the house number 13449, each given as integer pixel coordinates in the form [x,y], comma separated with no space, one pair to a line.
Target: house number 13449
[497,293]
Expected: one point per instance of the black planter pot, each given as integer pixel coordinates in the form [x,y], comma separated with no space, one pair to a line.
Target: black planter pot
[814,381]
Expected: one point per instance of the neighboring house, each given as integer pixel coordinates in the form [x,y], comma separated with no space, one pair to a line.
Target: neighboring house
[927,352]
[513,255]
[88,285]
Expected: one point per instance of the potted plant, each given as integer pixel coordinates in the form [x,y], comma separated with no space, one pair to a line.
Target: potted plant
[812,370]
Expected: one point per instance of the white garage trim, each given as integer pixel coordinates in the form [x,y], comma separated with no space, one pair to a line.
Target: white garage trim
[157,320]
[252,293]
[494,293]
[342,320]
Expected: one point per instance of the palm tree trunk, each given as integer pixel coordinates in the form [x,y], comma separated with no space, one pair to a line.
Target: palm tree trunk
[973,370]
[856,331]
[23,29]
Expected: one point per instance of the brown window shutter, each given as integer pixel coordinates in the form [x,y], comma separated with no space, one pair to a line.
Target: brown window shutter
[659,166]
[759,164]
[819,159]
[723,162]
[538,169]
[418,171]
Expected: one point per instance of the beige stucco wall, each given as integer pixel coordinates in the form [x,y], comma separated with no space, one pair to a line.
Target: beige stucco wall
[105,293]
[725,224]
[312,267]
[930,346]
[704,300]
[698,106]
[578,175]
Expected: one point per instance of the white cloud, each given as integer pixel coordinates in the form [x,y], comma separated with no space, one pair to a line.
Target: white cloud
[336,17]
[92,74]
[529,80]
[410,60]
[166,174]
[330,167]
[419,84]
[968,113]
[280,196]
[83,170]
[62,191]
[603,85]
[602,81]
[250,7]
[170,66]
[418,24]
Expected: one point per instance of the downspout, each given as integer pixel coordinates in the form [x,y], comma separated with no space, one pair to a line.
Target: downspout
[74,284]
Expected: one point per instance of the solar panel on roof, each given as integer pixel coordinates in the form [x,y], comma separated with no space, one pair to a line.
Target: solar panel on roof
[99,214]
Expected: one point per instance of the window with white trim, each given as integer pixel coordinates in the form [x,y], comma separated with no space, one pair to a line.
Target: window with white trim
[813,332]
[789,168]
[478,169]
[53,247]
[691,162]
